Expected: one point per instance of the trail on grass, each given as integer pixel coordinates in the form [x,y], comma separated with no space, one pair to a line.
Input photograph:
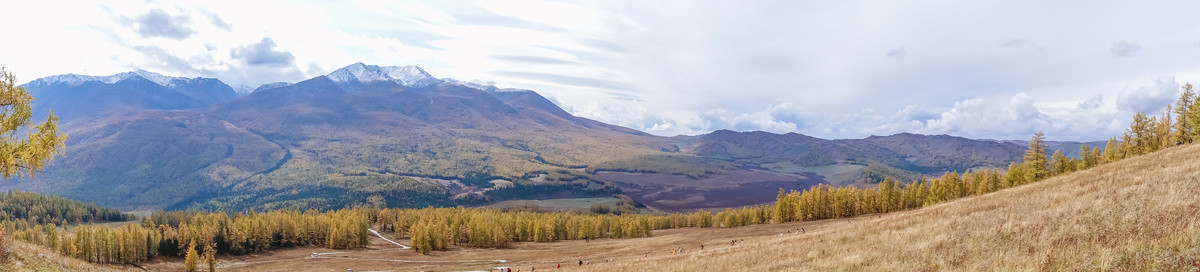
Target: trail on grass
[389,240]
[316,255]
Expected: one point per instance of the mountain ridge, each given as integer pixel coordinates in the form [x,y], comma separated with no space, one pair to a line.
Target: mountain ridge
[401,134]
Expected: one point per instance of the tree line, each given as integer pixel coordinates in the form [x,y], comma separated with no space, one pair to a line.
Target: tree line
[34,208]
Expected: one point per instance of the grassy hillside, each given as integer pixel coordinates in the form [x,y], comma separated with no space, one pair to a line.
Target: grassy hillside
[1135,215]
[28,257]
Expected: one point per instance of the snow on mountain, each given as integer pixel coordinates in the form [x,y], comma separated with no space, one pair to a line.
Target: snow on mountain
[269,86]
[76,80]
[411,76]
[242,90]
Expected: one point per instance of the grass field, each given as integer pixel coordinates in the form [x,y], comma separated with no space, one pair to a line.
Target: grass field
[1140,214]
[1135,215]
[28,257]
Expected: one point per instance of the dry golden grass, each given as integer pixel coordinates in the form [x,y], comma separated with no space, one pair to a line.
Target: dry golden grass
[29,257]
[1136,215]
[1141,214]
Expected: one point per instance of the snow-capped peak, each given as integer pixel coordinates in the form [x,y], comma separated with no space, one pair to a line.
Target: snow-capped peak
[157,78]
[269,86]
[76,80]
[410,75]
[242,90]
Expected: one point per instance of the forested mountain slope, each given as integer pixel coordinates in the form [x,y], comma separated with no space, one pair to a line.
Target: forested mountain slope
[140,140]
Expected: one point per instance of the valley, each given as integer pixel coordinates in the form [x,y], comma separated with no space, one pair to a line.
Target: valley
[367,131]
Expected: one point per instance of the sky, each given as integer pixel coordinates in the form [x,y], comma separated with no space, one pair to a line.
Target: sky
[1075,70]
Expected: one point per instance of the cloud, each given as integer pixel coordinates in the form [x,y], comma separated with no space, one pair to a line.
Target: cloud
[1149,97]
[1091,103]
[157,23]
[897,54]
[567,80]
[262,53]
[534,60]
[1019,44]
[157,58]
[218,22]
[763,120]
[631,114]
[1125,48]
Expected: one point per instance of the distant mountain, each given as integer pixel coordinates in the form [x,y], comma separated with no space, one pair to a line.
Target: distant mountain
[140,140]
[73,96]
[857,161]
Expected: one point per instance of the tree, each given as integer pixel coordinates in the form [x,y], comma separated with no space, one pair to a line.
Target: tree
[27,154]
[1139,136]
[599,208]
[1060,164]
[190,261]
[1193,116]
[1035,158]
[1184,130]
[1113,151]
[210,257]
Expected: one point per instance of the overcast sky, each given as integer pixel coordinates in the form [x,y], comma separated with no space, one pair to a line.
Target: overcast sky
[832,69]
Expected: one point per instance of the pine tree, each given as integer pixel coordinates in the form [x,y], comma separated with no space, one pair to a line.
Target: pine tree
[24,155]
[210,257]
[1113,150]
[1139,136]
[1193,116]
[1035,158]
[1163,137]
[1060,164]
[1184,129]
[191,260]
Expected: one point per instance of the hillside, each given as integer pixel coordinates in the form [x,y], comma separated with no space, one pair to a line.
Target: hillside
[28,257]
[1133,215]
[143,141]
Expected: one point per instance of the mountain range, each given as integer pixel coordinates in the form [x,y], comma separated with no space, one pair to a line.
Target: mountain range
[403,138]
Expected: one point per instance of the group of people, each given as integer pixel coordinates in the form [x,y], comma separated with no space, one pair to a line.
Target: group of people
[798,231]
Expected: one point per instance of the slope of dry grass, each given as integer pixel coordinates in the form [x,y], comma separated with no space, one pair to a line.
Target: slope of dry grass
[1141,214]
[29,257]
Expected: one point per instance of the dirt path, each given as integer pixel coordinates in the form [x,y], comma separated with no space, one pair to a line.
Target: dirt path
[389,240]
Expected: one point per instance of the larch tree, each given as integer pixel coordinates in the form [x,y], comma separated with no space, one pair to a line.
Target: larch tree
[25,147]
[1035,158]
[210,257]
[191,260]
[1184,129]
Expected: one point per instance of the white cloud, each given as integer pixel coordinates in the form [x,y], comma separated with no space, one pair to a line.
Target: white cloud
[897,54]
[670,67]
[1149,97]
[1125,49]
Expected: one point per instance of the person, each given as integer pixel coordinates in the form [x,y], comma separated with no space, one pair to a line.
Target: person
[701,246]
[802,230]
[580,262]
[559,266]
